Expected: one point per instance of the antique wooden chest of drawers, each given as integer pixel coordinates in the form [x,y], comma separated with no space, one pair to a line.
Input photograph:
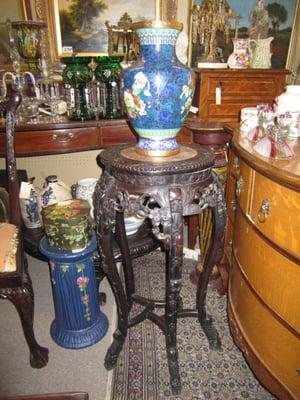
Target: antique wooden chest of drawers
[221,93]
[263,248]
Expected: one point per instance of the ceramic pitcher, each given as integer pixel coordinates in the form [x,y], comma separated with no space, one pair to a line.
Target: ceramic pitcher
[84,189]
[29,205]
[260,52]
[240,58]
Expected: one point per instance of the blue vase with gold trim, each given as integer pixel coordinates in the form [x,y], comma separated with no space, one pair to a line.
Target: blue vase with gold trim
[158,89]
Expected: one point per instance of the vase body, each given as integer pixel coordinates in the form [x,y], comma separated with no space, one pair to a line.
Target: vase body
[158,89]
[289,103]
[240,58]
[29,207]
[28,41]
[76,76]
[108,74]
[261,52]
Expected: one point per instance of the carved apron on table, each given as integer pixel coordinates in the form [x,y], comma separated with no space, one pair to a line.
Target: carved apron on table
[164,190]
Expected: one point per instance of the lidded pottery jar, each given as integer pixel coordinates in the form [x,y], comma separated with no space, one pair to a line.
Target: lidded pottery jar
[158,89]
[67,225]
[76,76]
[289,103]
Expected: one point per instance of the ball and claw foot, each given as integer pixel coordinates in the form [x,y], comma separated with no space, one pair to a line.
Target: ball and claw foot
[211,332]
[39,358]
[174,371]
[112,354]
[176,387]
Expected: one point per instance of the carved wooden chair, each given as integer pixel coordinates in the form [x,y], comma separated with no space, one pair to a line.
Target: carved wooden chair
[15,282]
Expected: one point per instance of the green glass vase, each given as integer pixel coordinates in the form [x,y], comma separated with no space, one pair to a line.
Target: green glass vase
[76,76]
[28,40]
[108,74]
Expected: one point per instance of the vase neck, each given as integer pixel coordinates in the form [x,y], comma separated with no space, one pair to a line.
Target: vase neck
[158,43]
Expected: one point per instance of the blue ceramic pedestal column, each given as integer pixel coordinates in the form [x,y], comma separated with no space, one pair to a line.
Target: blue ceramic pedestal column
[78,320]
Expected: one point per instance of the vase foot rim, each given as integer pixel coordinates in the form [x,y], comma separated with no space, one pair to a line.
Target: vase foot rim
[180,154]
[157,153]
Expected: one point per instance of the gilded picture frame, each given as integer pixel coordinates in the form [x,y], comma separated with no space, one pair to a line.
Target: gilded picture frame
[91,38]
[161,9]
[285,35]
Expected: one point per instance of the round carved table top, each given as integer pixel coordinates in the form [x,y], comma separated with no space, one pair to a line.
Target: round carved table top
[124,158]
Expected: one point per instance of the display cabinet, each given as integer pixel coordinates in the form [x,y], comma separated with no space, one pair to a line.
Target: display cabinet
[221,93]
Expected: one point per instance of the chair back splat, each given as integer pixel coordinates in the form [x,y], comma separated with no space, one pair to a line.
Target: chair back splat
[15,282]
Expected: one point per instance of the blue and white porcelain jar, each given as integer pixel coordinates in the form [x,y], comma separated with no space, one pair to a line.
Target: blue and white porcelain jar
[158,89]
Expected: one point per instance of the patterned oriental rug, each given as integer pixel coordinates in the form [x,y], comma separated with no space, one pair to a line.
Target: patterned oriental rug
[142,369]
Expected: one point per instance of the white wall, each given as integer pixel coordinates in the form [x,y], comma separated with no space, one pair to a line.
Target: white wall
[68,167]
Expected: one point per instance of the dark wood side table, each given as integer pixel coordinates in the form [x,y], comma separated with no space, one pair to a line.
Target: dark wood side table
[213,136]
[163,191]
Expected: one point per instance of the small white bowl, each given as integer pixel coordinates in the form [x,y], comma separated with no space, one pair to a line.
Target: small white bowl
[132,224]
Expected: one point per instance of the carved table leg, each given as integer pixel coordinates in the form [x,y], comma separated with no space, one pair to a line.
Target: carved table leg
[23,300]
[214,255]
[104,204]
[127,264]
[173,285]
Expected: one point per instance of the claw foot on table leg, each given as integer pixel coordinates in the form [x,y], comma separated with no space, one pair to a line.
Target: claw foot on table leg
[113,351]
[39,357]
[211,332]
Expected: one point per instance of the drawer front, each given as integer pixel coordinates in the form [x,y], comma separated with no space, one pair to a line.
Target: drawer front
[112,135]
[273,276]
[275,210]
[273,344]
[239,88]
[226,112]
[55,141]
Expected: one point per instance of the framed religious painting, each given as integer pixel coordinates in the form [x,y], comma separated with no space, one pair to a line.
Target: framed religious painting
[214,24]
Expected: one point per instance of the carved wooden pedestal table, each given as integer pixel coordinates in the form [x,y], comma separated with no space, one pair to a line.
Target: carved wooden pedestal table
[163,190]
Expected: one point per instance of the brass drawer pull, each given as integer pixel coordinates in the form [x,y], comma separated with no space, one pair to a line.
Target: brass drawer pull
[63,138]
[233,204]
[236,164]
[264,211]
[239,186]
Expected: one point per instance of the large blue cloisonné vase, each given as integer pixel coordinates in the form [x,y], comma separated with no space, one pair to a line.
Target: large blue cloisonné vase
[158,89]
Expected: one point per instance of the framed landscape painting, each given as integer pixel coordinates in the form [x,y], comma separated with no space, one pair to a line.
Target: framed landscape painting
[283,24]
[86,33]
